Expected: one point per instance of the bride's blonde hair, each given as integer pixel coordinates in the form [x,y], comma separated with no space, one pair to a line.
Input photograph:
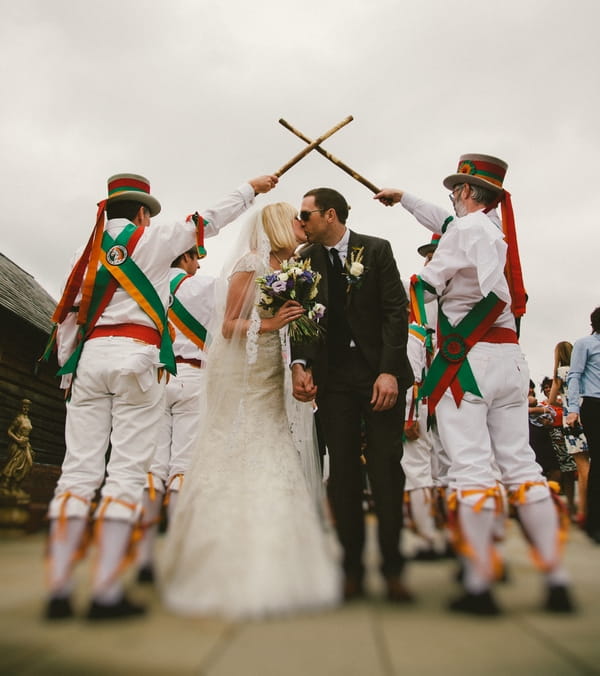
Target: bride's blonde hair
[277,220]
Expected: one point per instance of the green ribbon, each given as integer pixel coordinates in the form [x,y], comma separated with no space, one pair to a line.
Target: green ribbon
[143,285]
[455,343]
[178,308]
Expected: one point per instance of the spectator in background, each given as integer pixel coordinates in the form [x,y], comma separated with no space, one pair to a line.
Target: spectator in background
[540,421]
[575,440]
[583,403]
[565,461]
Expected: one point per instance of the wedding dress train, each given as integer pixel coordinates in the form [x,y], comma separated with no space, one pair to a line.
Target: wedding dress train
[247,539]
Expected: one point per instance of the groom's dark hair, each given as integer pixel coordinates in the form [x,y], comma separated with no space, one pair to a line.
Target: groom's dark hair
[328,198]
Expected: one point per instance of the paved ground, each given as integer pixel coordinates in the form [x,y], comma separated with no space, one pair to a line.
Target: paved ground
[367,638]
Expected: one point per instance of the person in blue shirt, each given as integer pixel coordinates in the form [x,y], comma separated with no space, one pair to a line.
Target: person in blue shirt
[584,406]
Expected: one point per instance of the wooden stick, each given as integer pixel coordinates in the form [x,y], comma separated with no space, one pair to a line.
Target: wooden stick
[312,145]
[344,167]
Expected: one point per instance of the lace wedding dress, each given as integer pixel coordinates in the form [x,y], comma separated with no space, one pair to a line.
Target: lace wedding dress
[247,539]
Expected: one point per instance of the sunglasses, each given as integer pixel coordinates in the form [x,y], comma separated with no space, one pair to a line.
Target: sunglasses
[305,215]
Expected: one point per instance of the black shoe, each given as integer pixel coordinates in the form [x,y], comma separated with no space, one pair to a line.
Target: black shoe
[396,591]
[594,536]
[558,600]
[58,609]
[353,588]
[426,555]
[121,609]
[449,552]
[145,575]
[475,604]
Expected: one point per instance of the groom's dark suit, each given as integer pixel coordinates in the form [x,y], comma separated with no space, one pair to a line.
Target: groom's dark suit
[366,333]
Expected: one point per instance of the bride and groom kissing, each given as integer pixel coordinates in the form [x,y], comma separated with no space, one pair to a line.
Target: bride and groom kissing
[248,539]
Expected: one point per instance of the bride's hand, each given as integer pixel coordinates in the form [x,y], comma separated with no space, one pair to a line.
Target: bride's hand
[287,313]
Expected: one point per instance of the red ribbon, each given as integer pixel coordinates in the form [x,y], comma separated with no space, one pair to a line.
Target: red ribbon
[512,269]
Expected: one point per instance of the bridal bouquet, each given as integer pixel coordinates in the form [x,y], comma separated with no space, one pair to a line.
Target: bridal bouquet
[295,281]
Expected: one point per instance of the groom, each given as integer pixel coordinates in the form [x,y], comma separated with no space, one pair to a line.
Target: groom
[358,372]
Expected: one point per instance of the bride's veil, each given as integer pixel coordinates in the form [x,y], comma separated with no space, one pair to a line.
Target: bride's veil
[251,253]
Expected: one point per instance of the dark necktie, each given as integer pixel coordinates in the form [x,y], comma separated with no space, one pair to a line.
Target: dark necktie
[337,261]
[339,335]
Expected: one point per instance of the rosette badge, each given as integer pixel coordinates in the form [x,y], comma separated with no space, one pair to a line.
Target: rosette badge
[299,282]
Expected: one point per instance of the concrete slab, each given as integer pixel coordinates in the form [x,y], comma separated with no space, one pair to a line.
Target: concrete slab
[366,638]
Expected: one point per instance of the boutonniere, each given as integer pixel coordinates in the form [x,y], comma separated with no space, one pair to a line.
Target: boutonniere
[355,269]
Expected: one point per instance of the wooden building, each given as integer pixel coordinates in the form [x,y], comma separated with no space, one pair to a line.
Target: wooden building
[25,311]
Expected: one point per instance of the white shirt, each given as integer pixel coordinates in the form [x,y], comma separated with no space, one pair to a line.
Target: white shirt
[154,253]
[341,247]
[469,260]
[197,294]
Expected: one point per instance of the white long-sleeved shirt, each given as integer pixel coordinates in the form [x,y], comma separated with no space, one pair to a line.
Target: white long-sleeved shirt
[469,260]
[154,253]
[197,295]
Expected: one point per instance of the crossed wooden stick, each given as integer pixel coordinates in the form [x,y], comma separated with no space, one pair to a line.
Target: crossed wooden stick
[315,145]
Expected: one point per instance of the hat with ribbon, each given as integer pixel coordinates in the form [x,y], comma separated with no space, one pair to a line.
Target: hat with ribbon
[83,275]
[132,187]
[489,172]
[483,170]
[426,249]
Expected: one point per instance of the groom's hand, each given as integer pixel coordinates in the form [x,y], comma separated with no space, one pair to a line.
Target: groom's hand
[385,392]
[304,388]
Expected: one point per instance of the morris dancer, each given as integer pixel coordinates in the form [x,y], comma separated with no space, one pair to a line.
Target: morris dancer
[481,399]
[114,348]
[419,460]
[191,308]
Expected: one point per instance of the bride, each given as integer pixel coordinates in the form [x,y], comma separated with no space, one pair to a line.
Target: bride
[247,539]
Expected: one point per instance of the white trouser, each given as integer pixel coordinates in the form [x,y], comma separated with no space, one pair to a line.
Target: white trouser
[116,398]
[416,458]
[488,434]
[440,462]
[180,425]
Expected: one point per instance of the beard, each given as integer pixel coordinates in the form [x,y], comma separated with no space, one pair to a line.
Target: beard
[460,208]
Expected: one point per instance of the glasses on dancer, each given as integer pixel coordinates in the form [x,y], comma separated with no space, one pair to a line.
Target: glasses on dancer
[455,190]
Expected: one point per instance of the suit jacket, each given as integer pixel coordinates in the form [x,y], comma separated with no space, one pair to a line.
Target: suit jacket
[375,309]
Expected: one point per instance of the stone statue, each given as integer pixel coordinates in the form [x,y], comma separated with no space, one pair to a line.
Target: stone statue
[20,454]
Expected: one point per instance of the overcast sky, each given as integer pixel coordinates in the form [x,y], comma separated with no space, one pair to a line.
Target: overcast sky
[189,94]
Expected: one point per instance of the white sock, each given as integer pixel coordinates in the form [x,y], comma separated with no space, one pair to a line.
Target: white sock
[107,586]
[540,522]
[65,540]
[150,522]
[477,529]
[173,497]
[420,507]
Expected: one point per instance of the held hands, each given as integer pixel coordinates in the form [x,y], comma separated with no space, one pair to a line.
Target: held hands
[263,184]
[303,386]
[385,392]
[389,196]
